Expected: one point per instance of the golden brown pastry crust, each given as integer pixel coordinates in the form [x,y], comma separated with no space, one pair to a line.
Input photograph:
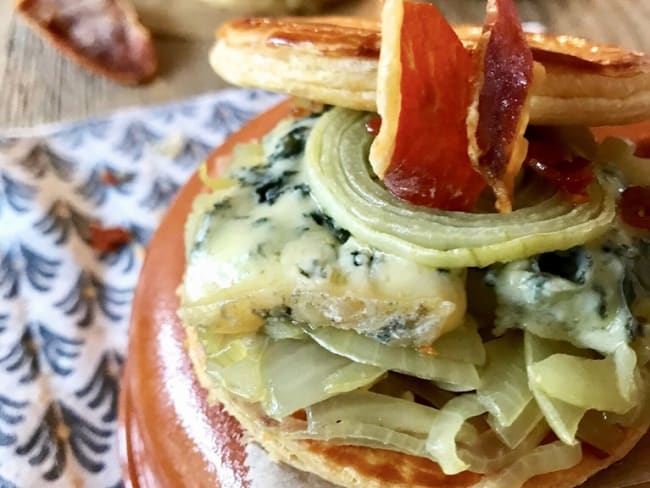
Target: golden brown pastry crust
[334,60]
[103,36]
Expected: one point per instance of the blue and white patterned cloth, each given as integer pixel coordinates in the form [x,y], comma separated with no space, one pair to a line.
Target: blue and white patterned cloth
[64,307]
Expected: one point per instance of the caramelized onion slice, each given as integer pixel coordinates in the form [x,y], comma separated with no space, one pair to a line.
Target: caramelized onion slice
[365,350]
[543,459]
[562,417]
[104,36]
[345,188]
[504,390]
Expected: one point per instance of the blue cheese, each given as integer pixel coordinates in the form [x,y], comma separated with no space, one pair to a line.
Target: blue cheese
[584,295]
[264,248]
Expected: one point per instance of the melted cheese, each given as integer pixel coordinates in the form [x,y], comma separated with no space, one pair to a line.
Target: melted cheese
[585,295]
[264,248]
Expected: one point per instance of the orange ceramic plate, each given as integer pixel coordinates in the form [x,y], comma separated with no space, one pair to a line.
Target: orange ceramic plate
[168,432]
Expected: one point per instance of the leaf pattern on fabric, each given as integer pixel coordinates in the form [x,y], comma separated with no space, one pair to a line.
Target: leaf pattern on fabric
[39,269]
[161,193]
[45,448]
[57,350]
[9,276]
[103,387]
[42,159]
[97,189]
[10,415]
[17,195]
[88,294]
[60,219]
[22,359]
[64,306]
[137,136]
[87,441]
[76,135]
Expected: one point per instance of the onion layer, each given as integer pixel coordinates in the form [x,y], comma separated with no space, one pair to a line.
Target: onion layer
[543,459]
[336,156]
[395,358]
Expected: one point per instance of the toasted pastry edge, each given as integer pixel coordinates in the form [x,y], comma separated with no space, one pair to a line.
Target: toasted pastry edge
[252,54]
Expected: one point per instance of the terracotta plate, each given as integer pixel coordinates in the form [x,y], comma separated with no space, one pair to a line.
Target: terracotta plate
[168,432]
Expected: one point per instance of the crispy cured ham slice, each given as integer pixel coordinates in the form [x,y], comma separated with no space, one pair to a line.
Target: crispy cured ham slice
[104,36]
[423,95]
[570,173]
[500,108]
[635,207]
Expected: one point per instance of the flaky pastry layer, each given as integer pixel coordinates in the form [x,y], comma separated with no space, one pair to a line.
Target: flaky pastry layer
[333,60]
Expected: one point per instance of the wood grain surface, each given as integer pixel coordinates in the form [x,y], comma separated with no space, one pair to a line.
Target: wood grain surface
[39,86]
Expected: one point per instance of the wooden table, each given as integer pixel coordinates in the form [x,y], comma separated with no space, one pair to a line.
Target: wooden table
[37,85]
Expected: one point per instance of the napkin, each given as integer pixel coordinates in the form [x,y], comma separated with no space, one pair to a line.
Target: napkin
[64,299]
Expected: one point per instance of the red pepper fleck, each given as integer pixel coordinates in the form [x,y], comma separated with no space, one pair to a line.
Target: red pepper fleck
[299,414]
[108,239]
[643,148]
[571,174]
[109,178]
[112,178]
[635,206]
[373,125]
